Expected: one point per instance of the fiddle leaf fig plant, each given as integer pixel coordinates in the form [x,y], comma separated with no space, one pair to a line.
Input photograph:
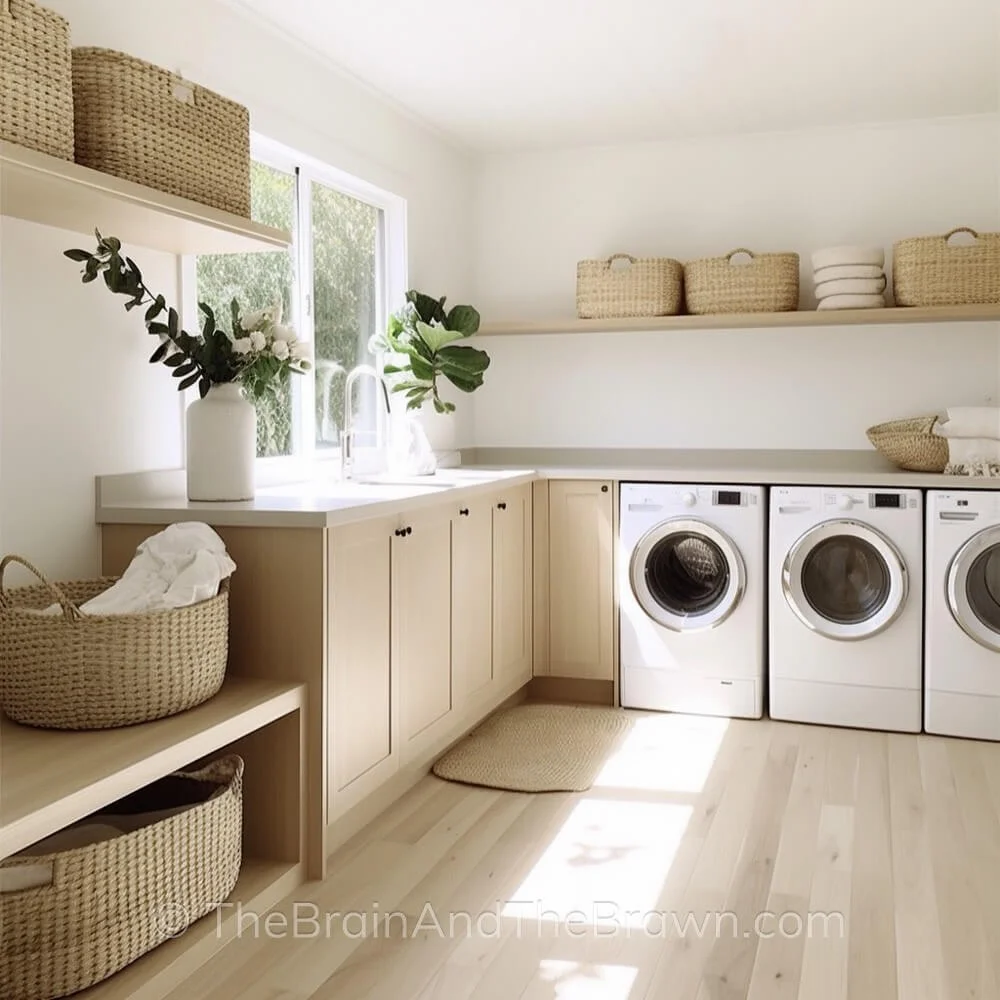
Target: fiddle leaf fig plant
[423,340]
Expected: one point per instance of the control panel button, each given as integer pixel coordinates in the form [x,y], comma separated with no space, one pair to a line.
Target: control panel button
[689,499]
[844,503]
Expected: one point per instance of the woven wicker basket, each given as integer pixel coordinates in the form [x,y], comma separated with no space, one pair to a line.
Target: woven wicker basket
[769,282]
[137,121]
[77,671]
[930,271]
[911,444]
[648,286]
[36,83]
[111,902]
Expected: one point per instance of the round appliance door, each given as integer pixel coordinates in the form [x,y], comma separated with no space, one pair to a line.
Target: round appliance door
[687,575]
[973,587]
[845,580]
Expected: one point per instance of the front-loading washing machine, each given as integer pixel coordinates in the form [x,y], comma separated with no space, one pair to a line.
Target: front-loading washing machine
[692,596]
[962,620]
[844,609]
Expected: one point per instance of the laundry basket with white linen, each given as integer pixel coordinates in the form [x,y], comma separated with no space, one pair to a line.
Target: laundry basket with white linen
[95,654]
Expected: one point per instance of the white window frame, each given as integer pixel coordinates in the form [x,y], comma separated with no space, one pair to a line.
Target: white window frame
[390,281]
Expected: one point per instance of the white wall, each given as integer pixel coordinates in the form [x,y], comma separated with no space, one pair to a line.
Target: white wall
[541,212]
[76,396]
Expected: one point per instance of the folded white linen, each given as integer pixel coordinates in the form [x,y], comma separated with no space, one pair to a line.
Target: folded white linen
[970,422]
[973,451]
[847,271]
[851,302]
[851,286]
[180,566]
[839,256]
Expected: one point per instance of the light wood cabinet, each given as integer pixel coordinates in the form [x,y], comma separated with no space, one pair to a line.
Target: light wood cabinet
[421,627]
[581,640]
[361,681]
[512,635]
[472,601]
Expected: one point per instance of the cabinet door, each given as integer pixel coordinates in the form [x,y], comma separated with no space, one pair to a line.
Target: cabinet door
[581,580]
[360,689]
[512,638]
[472,601]
[421,627]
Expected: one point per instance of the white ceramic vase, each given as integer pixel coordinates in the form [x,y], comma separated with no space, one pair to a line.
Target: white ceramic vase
[442,435]
[221,445]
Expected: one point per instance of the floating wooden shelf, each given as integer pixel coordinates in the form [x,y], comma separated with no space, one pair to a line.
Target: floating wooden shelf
[50,779]
[741,321]
[54,192]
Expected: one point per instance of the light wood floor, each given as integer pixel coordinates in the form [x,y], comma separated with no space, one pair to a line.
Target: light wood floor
[899,834]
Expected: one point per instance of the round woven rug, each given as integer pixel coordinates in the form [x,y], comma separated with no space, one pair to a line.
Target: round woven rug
[537,748]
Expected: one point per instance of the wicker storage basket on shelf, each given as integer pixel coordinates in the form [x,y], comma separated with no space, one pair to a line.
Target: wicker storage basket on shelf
[36,83]
[769,282]
[647,286]
[137,121]
[111,902]
[911,444]
[76,671]
[930,271]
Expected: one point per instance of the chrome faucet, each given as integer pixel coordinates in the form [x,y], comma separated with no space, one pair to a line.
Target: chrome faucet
[347,432]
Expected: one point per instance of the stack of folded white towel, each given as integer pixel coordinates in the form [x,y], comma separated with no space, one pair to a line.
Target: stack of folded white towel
[849,277]
[973,434]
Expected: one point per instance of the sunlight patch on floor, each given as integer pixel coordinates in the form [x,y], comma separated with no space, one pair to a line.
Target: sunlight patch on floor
[670,753]
[578,981]
[605,866]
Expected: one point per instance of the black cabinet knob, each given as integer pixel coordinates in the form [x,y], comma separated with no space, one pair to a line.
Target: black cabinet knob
[464,512]
[604,489]
[399,532]
[501,506]
[408,531]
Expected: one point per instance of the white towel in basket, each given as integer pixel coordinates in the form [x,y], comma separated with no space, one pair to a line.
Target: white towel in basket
[852,302]
[970,422]
[838,271]
[973,451]
[182,565]
[850,286]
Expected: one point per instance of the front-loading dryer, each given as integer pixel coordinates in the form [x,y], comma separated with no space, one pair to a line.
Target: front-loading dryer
[692,598]
[962,620]
[844,609]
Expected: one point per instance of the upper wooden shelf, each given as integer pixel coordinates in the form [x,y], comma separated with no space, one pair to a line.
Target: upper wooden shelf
[745,321]
[50,779]
[41,188]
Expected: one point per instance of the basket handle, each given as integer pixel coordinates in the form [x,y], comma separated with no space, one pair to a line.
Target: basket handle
[70,611]
[961,229]
[619,256]
[733,253]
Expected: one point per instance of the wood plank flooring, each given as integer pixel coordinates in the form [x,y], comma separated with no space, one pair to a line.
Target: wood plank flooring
[712,860]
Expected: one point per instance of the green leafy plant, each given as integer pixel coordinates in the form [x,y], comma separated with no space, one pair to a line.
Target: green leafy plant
[422,337]
[257,353]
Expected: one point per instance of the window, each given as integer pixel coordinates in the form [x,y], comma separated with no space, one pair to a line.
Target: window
[336,282]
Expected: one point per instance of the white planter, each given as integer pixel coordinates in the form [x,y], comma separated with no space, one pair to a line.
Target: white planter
[442,434]
[221,445]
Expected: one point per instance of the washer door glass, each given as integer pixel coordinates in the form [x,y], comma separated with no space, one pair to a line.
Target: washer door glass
[687,575]
[845,580]
[974,588]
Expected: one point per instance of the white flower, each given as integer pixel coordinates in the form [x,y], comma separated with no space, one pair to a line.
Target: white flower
[252,321]
[280,349]
[301,350]
[280,332]
[257,340]
[272,314]
[242,345]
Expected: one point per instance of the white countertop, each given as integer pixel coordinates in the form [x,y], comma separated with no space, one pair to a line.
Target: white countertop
[158,498]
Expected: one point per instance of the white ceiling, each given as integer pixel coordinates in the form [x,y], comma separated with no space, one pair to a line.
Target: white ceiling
[507,74]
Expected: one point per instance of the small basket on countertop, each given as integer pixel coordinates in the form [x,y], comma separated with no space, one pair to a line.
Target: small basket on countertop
[99,907]
[142,123]
[36,82]
[70,670]
[911,444]
[644,286]
[931,271]
[768,282]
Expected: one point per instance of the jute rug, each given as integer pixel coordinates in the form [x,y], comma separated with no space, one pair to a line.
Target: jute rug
[537,748]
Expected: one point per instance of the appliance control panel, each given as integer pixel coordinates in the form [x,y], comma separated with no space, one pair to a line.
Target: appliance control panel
[845,501]
[655,497]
